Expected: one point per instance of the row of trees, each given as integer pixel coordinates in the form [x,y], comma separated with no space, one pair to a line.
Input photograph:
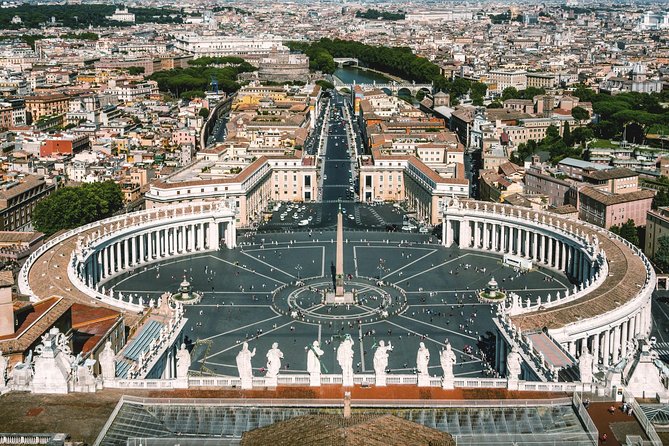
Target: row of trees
[70,207]
[80,16]
[397,61]
[194,81]
[557,146]
[375,14]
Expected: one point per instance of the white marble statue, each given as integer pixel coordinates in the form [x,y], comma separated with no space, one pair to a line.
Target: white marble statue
[345,360]
[244,363]
[422,360]
[585,363]
[448,359]
[314,354]
[274,357]
[513,364]
[381,357]
[183,362]
[107,362]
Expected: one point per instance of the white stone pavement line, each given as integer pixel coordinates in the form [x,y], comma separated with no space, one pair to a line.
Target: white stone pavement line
[438,327]
[242,327]
[430,269]
[659,332]
[249,270]
[362,349]
[232,306]
[156,267]
[276,268]
[409,264]
[434,341]
[254,338]
[515,290]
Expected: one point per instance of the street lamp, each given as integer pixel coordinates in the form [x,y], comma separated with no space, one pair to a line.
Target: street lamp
[381,267]
[298,268]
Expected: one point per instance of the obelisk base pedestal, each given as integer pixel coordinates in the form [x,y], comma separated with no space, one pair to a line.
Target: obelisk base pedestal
[331,298]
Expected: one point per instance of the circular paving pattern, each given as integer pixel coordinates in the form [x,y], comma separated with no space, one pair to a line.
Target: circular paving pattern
[305,301]
[249,294]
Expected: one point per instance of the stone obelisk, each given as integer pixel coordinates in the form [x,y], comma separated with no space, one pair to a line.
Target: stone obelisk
[339,267]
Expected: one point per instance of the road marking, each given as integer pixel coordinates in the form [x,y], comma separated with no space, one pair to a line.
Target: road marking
[362,349]
[430,269]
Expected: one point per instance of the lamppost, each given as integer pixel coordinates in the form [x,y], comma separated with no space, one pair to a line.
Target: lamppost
[298,268]
[381,267]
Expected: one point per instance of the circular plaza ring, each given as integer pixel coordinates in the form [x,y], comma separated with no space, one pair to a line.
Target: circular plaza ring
[305,301]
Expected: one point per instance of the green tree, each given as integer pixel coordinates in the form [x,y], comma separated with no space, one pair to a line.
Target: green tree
[566,135]
[204,112]
[580,114]
[628,231]
[135,70]
[661,198]
[661,257]
[510,93]
[495,104]
[581,135]
[70,207]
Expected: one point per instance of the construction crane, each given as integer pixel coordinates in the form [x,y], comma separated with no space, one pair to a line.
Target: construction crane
[206,344]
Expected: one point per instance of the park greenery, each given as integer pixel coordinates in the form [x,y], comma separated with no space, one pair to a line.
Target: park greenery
[636,115]
[80,16]
[195,80]
[558,147]
[70,207]
[375,14]
[396,61]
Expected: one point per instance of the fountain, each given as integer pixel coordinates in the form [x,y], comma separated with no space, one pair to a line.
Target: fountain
[492,292]
[185,295]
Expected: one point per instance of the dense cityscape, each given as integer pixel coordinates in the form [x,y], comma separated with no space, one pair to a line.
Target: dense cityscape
[334,223]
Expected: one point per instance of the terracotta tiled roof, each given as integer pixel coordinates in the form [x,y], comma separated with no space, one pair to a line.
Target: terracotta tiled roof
[612,199]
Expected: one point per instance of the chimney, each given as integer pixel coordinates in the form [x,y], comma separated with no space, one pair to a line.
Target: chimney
[347,405]
[6,305]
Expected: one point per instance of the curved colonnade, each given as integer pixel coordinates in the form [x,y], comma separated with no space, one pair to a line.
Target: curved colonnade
[610,303]
[81,261]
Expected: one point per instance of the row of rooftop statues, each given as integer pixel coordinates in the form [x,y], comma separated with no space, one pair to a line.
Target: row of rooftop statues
[344,356]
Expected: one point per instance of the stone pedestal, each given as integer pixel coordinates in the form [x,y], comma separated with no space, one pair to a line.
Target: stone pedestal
[347,380]
[447,383]
[271,381]
[314,379]
[423,380]
[345,298]
[380,380]
[512,384]
[181,383]
[247,383]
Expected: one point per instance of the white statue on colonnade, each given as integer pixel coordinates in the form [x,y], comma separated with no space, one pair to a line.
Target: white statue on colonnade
[345,360]
[244,365]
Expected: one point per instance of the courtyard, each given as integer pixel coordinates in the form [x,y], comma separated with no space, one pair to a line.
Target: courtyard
[409,290]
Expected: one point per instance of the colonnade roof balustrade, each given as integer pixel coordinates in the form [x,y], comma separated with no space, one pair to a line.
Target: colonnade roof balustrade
[629,270]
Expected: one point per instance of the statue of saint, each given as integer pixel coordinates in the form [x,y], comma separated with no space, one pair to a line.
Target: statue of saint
[422,359]
[107,362]
[274,357]
[513,363]
[585,363]
[183,362]
[314,354]
[447,359]
[244,361]
[345,358]
[381,357]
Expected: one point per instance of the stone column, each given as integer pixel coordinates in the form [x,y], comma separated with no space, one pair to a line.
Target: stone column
[549,258]
[535,246]
[477,235]
[141,249]
[616,343]
[518,242]
[486,236]
[595,347]
[605,352]
[624,327]
[182,228]
[192,237]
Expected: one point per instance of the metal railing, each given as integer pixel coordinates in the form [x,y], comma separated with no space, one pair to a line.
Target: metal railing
[646,425]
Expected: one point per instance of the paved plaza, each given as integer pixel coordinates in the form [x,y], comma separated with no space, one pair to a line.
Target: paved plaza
[427,295]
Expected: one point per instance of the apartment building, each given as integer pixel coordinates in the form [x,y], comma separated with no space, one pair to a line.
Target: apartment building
[19,194]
